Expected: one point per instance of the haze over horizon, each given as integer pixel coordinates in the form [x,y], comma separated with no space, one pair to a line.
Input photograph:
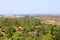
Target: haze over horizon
[11,7]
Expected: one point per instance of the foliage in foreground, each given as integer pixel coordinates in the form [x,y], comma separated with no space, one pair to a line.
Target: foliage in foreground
[27,28]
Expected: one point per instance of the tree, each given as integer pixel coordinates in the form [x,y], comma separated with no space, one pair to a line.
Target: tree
[47,37]
[16,23]
[17,36]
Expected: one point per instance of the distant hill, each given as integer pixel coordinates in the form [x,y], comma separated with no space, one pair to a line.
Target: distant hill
[49,19]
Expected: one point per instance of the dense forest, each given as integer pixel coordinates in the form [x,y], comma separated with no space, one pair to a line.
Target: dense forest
[27,28]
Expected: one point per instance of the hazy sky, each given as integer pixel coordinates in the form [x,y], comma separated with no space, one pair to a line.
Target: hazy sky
[30,7]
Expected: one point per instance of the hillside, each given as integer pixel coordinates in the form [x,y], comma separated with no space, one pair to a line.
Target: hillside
[29,28]
[49,19]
